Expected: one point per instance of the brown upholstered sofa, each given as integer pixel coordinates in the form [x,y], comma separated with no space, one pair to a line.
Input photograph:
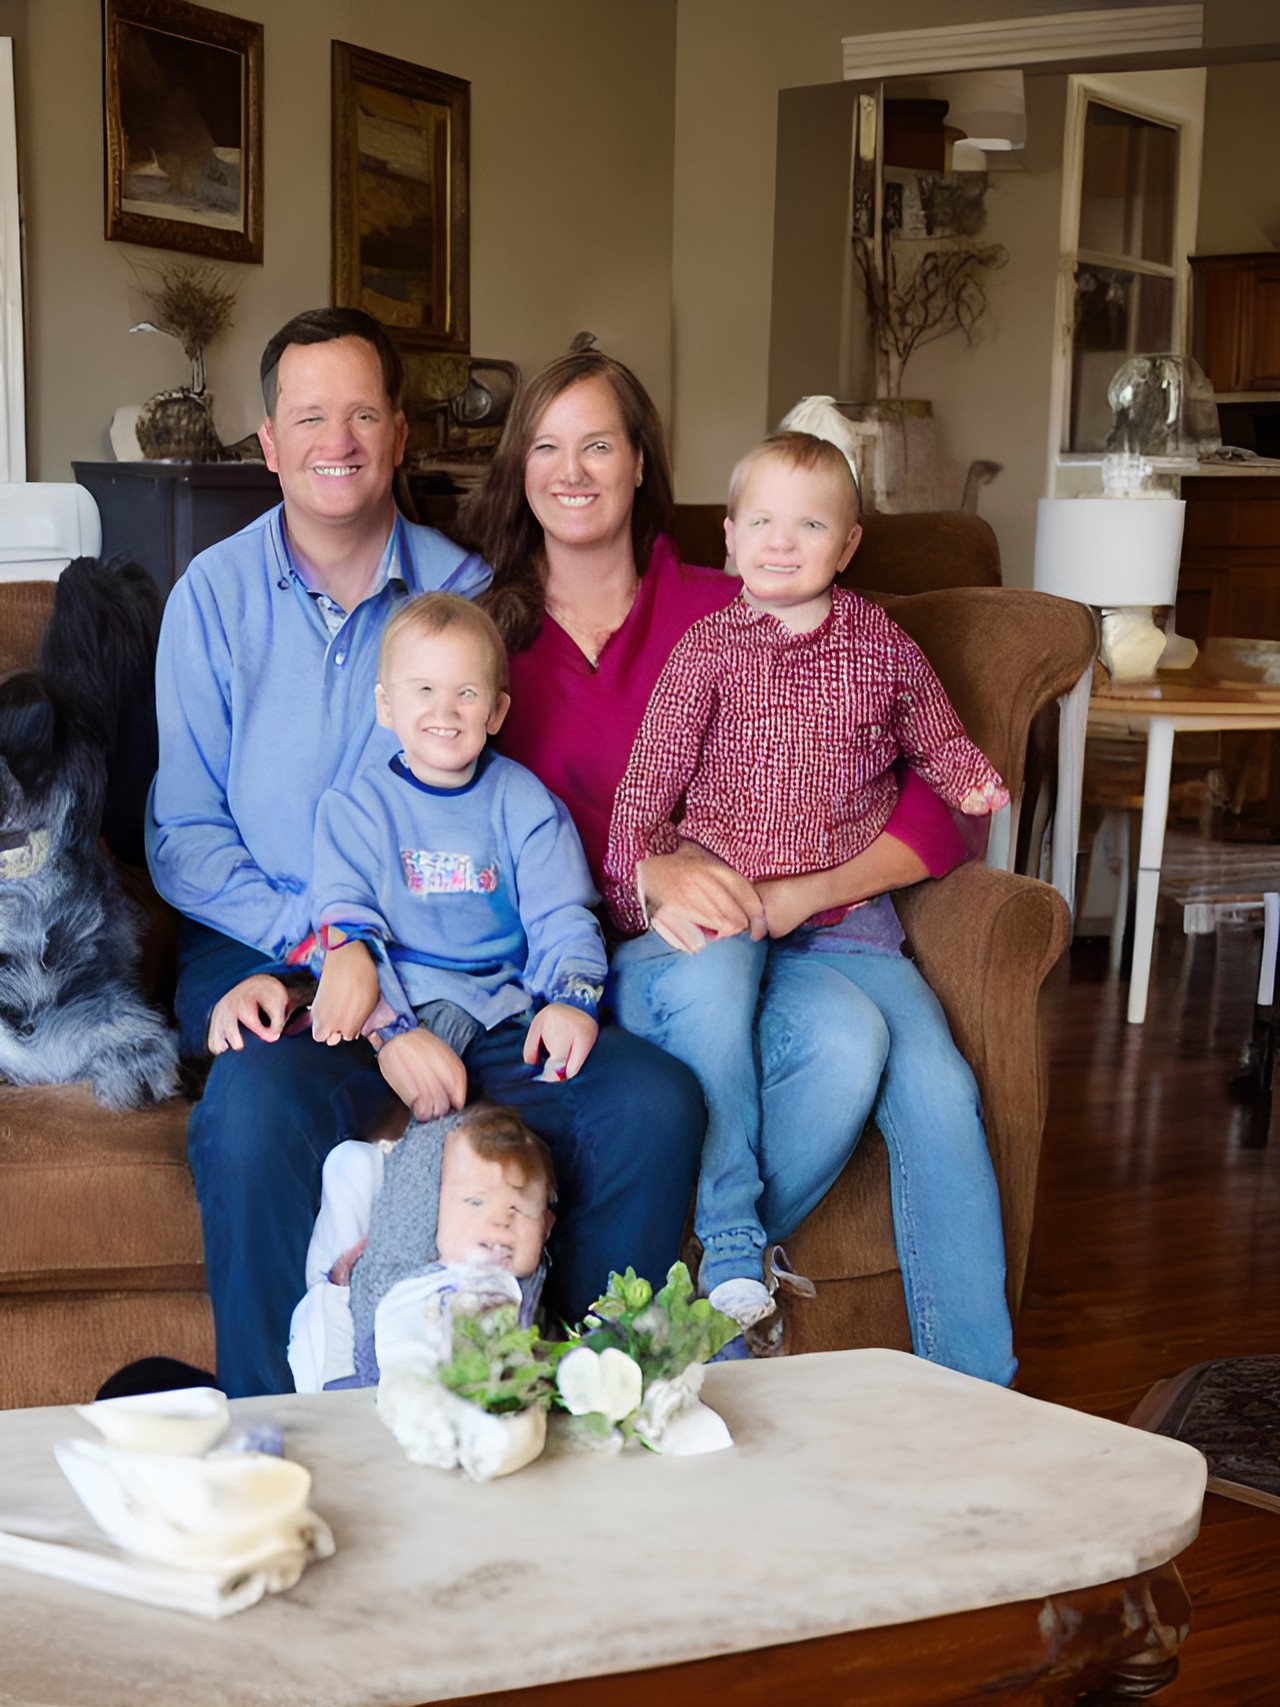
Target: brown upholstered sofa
[100,1248]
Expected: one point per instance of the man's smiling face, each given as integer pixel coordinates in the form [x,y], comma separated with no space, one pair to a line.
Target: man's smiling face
[334,437]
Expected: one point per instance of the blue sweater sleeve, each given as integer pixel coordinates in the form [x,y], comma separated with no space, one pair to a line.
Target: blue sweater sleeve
[347,837]
[566,958]
[197,858]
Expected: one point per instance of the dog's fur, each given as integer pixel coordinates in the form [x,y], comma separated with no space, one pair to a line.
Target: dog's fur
[71,1005]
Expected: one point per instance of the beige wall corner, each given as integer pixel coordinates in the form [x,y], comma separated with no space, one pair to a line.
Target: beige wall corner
[1239,178]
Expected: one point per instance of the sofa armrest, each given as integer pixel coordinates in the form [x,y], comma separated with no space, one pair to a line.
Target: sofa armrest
[986,940]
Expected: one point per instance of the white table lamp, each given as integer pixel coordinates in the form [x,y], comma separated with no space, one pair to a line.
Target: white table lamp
[1120,554]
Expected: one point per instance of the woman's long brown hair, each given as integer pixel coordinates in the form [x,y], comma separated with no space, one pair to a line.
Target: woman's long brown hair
[496,519]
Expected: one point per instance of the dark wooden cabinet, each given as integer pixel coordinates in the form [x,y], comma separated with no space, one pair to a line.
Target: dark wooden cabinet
[161,514]
[1229,581]
[1235,332]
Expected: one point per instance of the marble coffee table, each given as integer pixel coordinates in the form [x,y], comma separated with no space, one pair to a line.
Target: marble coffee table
[867,1491]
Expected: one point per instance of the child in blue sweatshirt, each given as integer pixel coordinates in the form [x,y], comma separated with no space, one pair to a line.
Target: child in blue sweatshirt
[450,891]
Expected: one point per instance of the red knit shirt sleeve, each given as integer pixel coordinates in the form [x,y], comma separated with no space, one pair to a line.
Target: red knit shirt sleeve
[664,758]
[930,733]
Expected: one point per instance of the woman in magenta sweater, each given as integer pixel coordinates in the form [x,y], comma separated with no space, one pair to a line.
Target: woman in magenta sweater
[590,596]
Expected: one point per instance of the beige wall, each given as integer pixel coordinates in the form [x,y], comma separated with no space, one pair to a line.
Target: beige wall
[572,168]
[1240,177]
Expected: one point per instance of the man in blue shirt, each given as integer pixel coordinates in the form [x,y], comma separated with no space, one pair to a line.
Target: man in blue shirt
[264,681]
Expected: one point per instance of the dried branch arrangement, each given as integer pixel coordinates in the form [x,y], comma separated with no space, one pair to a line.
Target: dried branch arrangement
[193,305]
[919,292]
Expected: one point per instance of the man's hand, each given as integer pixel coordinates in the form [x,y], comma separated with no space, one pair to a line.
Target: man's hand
[566,1033]
[424,1073]
[347,994]
[693,898]
[260,1003]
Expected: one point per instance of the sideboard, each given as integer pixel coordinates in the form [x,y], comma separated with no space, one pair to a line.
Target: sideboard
[160,514]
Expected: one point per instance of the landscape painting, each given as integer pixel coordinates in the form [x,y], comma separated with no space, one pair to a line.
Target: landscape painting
[400,211]
[184,123]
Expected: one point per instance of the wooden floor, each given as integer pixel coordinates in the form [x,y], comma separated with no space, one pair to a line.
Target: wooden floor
[1157,1246]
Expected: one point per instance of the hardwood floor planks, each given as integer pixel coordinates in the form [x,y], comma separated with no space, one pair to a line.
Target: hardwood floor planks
[1157,1246]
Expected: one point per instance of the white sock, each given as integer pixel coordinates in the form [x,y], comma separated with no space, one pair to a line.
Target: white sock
[746,1301]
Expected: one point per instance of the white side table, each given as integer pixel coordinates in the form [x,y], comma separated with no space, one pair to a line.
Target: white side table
[1198,699]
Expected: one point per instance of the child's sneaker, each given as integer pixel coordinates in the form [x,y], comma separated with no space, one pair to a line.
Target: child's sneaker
[745,1301]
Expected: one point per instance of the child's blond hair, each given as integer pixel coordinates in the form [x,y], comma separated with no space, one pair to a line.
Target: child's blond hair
[797,450]
[435,613]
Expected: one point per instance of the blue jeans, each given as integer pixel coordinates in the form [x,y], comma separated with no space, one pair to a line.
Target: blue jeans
[624,1135]
[794,1049]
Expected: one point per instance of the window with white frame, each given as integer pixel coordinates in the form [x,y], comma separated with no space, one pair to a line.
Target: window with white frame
[1126,297]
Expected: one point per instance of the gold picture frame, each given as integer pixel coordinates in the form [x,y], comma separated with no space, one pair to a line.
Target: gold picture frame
[183,108]
[401,213]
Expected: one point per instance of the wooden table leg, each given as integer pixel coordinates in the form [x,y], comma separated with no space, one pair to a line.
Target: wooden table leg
[1147,1660]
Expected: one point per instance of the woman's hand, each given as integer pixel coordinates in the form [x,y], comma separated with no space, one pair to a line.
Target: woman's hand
[347,994]
[566,1033]
[424,1073]
[260,1003]
[692,898]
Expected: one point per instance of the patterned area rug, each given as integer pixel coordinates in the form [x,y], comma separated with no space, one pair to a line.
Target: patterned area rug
[1230,1411]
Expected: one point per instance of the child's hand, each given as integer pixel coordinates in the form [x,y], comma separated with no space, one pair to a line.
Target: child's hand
[788,902]
[424,1073]
[260,1003]
[348,993]
[340,1273]
[566,1033]
[989,798]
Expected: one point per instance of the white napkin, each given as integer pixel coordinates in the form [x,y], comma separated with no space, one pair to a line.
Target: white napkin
[71,1550]
[206,1533]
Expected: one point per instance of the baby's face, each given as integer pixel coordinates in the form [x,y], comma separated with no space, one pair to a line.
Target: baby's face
[488,1214]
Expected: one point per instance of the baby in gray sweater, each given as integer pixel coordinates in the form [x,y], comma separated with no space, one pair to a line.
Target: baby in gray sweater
[465,1206]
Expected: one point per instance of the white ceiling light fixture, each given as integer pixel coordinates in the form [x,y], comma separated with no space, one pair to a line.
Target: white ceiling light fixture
[987,106]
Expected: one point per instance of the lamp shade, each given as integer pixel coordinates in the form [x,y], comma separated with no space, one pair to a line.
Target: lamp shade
[1109,551]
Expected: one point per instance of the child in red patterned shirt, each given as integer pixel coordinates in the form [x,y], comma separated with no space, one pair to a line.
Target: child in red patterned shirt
[770,742]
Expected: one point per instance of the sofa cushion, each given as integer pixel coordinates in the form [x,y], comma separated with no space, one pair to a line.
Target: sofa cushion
[92,1198]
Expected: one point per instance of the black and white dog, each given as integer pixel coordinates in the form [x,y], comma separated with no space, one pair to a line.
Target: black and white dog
[77,736]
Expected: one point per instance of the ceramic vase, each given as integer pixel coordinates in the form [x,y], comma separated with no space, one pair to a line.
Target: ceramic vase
[177,426]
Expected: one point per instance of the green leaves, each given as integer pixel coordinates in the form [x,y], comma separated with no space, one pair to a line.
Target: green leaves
[664,1332]
[499,1365]
[502,1367]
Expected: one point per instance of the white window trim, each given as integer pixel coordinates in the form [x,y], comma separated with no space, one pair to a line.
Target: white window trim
[1190,127]
[13,435]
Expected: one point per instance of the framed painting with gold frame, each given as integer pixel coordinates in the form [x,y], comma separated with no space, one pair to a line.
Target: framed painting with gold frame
[183,106]
[401,216]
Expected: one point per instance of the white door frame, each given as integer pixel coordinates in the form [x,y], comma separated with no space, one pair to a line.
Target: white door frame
[13,431]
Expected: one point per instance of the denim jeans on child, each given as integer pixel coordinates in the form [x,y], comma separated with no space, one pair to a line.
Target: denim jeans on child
[794,1047]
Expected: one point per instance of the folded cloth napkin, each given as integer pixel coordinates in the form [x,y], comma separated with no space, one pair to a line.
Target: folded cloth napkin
[209,1535]
[74,1552]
